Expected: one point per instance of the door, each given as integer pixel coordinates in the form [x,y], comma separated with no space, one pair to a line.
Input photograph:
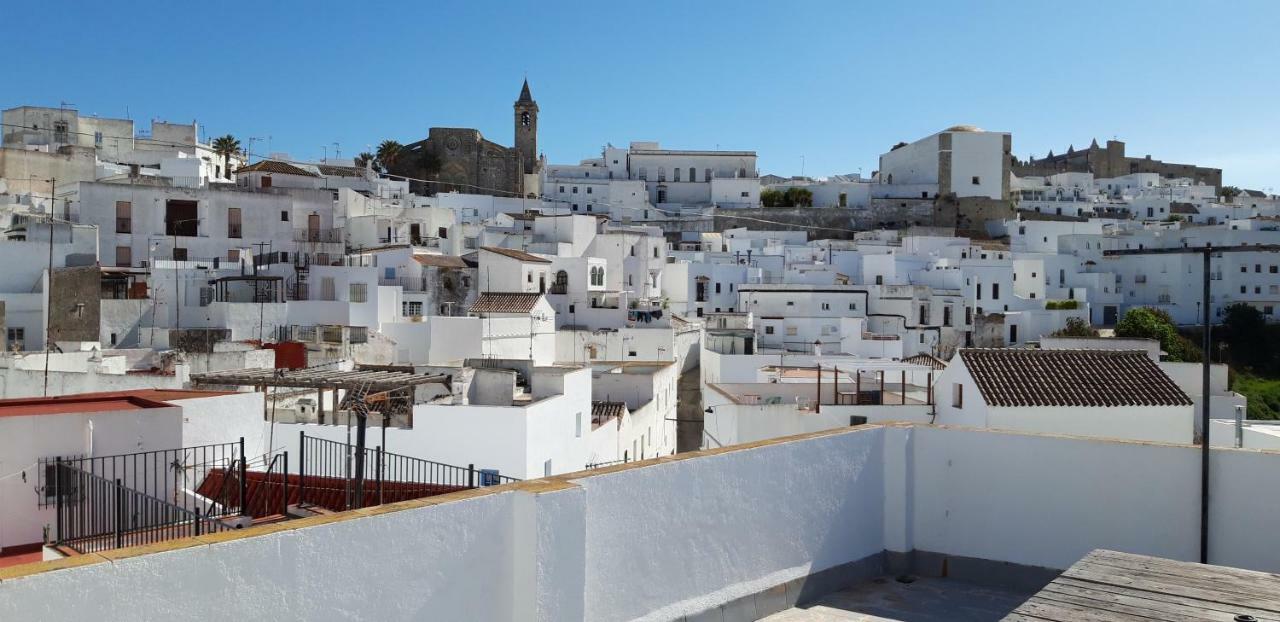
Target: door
[1109,315]
[313,227]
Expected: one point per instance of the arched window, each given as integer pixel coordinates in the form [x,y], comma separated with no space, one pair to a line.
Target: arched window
[561,285]
[693,174]
[676,172]
[742,172]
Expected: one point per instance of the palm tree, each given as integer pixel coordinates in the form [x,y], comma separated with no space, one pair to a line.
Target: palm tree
[226,146]
[366,158]
[388,151]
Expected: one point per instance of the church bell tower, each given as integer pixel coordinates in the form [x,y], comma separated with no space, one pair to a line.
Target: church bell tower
[527,129]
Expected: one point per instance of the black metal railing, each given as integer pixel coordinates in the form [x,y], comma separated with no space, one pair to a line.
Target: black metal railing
[269,493]
[605,463]
[93,514]
[171,475]
[327,476]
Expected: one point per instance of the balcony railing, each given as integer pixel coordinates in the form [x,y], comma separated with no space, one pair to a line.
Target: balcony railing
[320,236]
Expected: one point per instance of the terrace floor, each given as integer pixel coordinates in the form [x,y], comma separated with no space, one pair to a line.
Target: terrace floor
[923,600]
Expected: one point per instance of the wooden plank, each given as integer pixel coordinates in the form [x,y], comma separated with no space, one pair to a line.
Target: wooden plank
[1228,590]
[1022,617]
[1073,613]
[1158,585]
[1173,602]
[1138,605]
[1220,571]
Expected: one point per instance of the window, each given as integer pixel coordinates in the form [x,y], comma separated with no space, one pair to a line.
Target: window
[124,256]
[995,291]
[1257,267]
[124,217]
[233,255]
[577,425]
[358,292]
[706,176]
[826,306]
[55,486]
[97,138]
[17,338]
[1244,268]
[411,308]
[791,303]
[284,215]
[546,466]
[631,353]
[957,395]
[644,173]
[768,330]
[179,254]
[1244,290]
[588,189]
[575,190]
[662,173]
[676,173]
[181,218]
[853,306]
[561,188]
[693,174]
[717,288]
[233,222]
[946,316]
[1013,333]
[791,331]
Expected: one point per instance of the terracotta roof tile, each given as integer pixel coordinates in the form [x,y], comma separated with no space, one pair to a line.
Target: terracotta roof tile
[440,261]
[515,254]
[511,302]
[926,360]
[1008,377]
[275,166]
[604,411]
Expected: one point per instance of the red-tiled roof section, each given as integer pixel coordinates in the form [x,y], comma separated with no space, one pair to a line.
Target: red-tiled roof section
[263,491]
[1008,377]
[927,360]
[512,302]
[109,401]
[274,166]
[515,254]
[440,261]
[604,411]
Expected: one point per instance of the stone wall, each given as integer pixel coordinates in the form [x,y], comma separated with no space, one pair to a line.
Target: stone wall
[75,304]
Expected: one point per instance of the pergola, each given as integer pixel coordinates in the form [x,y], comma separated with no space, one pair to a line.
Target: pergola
[362,386]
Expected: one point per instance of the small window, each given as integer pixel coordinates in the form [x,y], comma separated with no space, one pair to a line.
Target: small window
[358,292]
[791,331]
[957,395]
[631,353]
[588,189]
[577,425]
[977,180]
[768,330]
[284,215]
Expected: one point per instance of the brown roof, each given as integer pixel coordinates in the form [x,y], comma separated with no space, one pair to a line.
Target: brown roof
[275,166]
[510,302]
[927,360]
[515,254]
[604,411]
[1182,208]
[440,261]
[1007,377]
[340,171]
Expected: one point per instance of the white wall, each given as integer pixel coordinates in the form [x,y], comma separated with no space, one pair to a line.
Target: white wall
[746,520]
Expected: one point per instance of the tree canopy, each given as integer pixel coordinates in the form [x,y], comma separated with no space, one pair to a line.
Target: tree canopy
[1149,323]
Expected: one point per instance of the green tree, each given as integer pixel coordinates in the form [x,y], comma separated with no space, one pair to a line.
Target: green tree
[1076,327]
[388,153]
[798,197]
[226,146]
[366,158]
[1149,323]
[771,198]
[1230,192]
[1247,336]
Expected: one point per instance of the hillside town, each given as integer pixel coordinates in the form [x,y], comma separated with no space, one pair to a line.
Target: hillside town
[204,340]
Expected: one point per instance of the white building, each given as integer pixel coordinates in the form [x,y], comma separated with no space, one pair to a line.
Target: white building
[962,159]
[1118,394]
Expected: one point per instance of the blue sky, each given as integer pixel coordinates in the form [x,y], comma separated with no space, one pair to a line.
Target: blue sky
[834,83]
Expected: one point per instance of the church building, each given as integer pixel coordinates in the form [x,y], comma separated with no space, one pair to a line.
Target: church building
[462,160]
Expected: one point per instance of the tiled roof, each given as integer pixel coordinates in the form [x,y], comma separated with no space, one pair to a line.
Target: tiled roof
[515,254]
[1255,193]
[1008,377]
[604,411]
[1182,208]
[274,166]
[926,360]
[440,261]
[340,171]
[510,302]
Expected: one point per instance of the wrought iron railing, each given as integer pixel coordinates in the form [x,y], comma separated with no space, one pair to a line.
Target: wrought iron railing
[328,476]
[171,475]
[98,514]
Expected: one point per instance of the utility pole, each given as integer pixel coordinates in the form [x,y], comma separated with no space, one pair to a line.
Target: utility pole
[48,302]
[1207,253]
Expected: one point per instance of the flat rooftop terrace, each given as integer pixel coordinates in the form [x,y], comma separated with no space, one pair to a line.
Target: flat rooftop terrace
[919,599]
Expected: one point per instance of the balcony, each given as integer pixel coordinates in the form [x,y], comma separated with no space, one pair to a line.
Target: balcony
[319,236]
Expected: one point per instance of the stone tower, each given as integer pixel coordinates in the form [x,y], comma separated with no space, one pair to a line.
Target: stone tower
[527,129]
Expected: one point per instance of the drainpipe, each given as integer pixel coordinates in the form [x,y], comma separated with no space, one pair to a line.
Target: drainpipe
[1239,427]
